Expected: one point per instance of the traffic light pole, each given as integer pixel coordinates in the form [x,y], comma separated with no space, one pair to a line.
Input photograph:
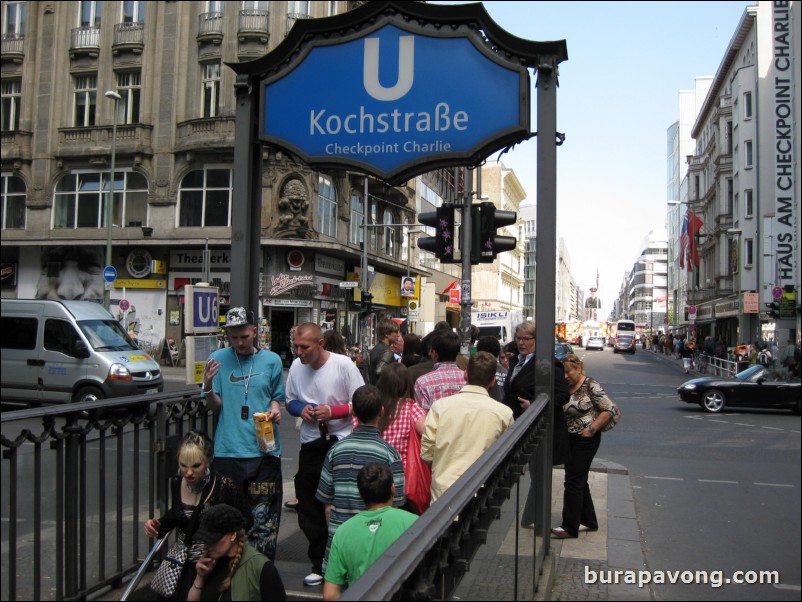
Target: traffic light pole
[465,234]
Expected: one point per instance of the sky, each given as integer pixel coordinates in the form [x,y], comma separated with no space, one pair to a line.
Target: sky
[618,95]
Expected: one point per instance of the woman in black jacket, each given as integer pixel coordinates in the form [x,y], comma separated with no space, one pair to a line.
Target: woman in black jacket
[195,487]
[519,392]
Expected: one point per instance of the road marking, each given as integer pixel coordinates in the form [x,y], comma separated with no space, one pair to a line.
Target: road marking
[743,424]
[715,481]
[773,484]
[771,428]
[693,417]
[719,421]
[663,478]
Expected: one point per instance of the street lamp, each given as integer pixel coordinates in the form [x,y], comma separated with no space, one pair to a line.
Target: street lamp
[110,195]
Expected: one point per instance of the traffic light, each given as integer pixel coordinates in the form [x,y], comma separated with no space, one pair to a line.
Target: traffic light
[773,309]
[442,243]
[485,243]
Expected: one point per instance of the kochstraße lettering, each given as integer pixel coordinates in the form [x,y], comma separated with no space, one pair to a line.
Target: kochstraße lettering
[322,123]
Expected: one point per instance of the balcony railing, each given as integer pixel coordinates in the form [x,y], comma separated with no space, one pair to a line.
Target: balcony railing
[129,34]
[13,45]
[292,18]
[254,21]
[85,38]
[210,24]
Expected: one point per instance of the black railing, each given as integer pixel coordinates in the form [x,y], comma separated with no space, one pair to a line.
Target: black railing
[429,560]
[79,481]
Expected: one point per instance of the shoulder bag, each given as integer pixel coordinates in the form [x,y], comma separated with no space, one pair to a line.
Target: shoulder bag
[615,411]
[417,475]
[169,572]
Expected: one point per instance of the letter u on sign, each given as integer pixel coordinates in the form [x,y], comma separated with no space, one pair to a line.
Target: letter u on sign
[406,69]
[206,309]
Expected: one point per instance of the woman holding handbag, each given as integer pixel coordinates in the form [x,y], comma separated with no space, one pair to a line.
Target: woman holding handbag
[195,487]
[401,424]
[588,412]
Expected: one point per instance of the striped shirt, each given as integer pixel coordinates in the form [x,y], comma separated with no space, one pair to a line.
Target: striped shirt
[342,465]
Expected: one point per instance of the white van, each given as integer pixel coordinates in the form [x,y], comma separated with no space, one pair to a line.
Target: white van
[57,351]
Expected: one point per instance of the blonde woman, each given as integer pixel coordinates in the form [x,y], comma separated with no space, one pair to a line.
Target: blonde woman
[588,411]
[195,487]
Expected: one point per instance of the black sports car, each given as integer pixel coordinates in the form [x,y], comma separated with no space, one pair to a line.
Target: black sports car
[755,387]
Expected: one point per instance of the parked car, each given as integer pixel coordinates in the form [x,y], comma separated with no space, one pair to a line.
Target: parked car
[59,351]
[755,387]
[595,343]
[624,342]
[561,350]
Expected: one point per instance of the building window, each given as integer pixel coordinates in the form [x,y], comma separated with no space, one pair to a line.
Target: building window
[299,9]
[326,207]
[748,154]
[215,7]
[389,239]
[90,14]
[211,89]
[747,105]
[134,12]
[129,87]
[730,195]
[357,214]
[85,100]
[12,95]
[749,208]
[374,219]
[728,138]
[80,200]
[14,17]
[13,206]
[205,198]
[748,248]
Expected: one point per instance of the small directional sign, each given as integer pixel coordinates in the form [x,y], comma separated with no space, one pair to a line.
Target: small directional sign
[109,273]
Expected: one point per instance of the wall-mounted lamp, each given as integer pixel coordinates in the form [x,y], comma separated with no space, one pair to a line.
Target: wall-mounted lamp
[147,232]
[733,231]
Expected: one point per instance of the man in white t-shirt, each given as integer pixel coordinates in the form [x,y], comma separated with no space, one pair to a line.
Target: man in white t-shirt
[323,383]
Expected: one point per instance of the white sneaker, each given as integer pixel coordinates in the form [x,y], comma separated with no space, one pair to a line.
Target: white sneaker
[313,579]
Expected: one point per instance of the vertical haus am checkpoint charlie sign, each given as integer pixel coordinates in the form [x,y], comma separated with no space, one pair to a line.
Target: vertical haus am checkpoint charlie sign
[396,98]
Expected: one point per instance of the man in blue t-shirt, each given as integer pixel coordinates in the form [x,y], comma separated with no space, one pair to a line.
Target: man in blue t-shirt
[238,382]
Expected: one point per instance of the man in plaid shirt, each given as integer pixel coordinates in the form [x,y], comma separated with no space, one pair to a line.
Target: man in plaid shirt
[447,378]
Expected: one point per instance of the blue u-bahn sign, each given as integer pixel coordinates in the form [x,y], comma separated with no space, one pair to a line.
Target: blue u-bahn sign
[396,99]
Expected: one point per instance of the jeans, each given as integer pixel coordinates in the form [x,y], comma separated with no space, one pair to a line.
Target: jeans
[577,501]
[263,486]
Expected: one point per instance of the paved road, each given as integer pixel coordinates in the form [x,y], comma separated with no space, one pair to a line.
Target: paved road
[713,492]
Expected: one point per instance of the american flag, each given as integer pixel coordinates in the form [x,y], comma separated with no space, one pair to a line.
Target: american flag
[684,244]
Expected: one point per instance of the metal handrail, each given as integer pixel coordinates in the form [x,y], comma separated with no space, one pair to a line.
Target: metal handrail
[143,568]
[414,567]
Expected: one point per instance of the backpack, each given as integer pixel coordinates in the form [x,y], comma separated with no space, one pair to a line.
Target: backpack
[763,358]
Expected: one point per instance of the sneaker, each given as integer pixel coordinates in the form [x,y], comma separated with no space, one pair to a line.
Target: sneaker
[313,579]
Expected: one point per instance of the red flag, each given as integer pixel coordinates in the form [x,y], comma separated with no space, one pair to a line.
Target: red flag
[694,225]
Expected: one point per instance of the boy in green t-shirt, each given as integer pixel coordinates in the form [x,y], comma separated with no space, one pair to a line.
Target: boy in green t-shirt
[361,539]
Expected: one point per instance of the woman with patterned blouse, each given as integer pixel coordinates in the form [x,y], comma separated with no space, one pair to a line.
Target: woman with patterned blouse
[401,413]
[588,411]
